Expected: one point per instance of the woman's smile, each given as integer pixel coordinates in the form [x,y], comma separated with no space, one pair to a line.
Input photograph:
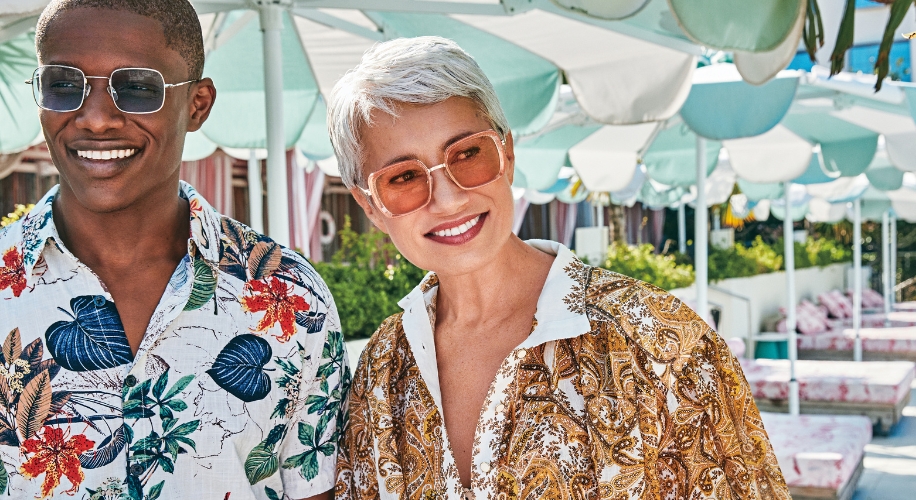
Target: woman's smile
[458,232]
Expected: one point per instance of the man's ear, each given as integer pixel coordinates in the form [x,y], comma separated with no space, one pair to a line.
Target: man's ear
[510,157]
[368,207]
[201,103]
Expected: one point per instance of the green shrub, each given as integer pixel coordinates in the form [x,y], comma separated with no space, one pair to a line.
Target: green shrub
[802,258]
[367,278]
[740,261]
[641,262]
[823,252]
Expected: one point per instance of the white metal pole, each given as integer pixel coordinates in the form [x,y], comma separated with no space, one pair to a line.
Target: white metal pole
[788,237]
[857,277]
[701,239]
[271,16]
[255,193]
[599,214]
[893,257]
[682,228]
[886,260]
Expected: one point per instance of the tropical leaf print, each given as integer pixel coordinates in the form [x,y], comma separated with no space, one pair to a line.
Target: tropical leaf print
[307,461]
[263,461]
[93,340]
[12,274]
[108,450]
[204,285]
[34,405]
[264,259]
[12,347]
[271,493]
[4,479]
[312,321]
[54,455]
[273,297]
[239,368]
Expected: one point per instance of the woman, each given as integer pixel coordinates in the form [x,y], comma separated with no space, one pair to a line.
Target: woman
[515,370]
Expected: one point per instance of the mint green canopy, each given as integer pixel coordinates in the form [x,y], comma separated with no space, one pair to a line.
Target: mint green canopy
[747,25]
[884,176]
[757,192]
[19,125]
[540,159]
[845,147]
[671,159]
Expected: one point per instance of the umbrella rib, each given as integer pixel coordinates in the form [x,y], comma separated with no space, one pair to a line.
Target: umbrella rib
[337,23]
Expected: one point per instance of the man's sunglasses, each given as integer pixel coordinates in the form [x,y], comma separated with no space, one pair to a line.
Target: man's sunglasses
[407,186]
[133,90]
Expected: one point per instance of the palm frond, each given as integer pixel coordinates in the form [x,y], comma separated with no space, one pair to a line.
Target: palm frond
[882,65]
[844,38]
[813,34]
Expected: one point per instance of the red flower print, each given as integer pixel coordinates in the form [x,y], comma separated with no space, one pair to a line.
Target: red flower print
[195,206]
[272,295]
[54,455]
[12,275]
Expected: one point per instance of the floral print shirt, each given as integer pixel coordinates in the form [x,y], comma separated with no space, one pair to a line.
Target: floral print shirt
[235,390]
[620,391]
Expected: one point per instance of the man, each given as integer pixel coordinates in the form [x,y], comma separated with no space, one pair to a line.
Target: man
[140,363]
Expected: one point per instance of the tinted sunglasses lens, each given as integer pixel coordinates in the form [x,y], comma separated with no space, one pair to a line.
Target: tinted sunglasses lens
[474,161]
[402,187]
[58,88]
[138,90]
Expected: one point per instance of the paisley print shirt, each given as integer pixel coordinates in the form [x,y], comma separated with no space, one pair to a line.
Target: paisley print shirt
[235,390]
[620,391]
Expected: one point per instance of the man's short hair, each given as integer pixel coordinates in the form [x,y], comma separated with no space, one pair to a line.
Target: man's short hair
[178,19]
[421,70]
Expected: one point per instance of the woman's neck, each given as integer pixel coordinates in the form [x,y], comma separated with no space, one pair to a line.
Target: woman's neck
[510,284]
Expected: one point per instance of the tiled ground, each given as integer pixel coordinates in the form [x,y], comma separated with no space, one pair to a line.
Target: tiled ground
[890,462]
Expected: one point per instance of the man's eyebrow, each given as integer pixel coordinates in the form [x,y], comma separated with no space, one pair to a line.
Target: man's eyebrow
[452,140]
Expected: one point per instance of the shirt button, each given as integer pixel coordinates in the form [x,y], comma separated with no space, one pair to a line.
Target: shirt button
[521,354]
[485,467]
[98,301]
[136,470]
[500,407]
[130,381]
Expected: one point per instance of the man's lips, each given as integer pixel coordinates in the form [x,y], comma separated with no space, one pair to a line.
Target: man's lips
[459,231]
[106,154]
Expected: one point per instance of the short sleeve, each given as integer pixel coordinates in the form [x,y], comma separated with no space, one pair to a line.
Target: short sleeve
[308,455]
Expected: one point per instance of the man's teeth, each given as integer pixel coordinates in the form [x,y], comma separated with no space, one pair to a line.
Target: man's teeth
[455,231]
[106,155]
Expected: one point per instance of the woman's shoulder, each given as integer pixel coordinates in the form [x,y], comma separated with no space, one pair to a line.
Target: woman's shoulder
[656,321]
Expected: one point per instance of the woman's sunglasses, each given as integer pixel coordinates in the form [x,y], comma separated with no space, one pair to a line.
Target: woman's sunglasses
[407,186]
[133,90]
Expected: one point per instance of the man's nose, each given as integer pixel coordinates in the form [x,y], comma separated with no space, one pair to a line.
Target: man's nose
[98,114]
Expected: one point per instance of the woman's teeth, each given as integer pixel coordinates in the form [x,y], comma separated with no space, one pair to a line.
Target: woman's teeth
[455,231]
[106,155]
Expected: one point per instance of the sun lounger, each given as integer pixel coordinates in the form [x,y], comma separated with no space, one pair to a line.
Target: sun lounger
[905,306]
[879,389]
[820,455]
[878,344]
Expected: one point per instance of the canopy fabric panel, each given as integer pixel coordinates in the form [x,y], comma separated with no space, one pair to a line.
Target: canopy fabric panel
[722,106]
[748,25]
[331,52]
[720,184]
[672,157]
[883,176]
[910,92]
[899,132]
[817,172]
[315,143]
[823,211]
[603,9]
[874,203]
[19,125]
[842,190]
[617,79]
[903,201]
[761,191]
[757,68]
[238,119]
[778,155]
[607,160]
[540,159]
[197,147]
[656,196]
[845,147]
[797,213]
[527,83]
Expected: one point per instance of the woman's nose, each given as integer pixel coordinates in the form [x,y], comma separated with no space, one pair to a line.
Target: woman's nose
[447,197]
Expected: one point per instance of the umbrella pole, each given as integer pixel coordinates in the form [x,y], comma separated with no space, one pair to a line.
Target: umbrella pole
[893,258]
[701,238]
[886,260]
[271,16]
[255,194]
[681,229]
[857,277]
[788,238]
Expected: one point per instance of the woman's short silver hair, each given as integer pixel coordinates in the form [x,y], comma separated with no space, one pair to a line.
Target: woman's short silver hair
[421,70]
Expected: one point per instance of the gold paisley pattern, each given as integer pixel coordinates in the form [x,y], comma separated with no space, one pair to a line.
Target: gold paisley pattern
[644,402]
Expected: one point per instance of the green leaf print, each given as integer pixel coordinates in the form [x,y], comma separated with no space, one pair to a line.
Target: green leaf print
[4,479]
[271,493]
[263,461]
[155,491]
[204,285]
[307,461]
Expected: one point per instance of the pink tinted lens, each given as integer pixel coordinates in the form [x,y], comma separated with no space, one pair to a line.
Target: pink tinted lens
[402,187]
[474,161]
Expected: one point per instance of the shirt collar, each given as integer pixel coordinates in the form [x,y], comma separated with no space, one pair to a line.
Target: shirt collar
[38,227]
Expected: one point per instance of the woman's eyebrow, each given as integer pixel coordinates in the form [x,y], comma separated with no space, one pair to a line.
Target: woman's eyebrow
[452,140]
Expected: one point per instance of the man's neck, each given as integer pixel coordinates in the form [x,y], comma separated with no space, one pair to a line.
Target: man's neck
[156,227]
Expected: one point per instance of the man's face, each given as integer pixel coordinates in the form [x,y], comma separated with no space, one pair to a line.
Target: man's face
[99,41]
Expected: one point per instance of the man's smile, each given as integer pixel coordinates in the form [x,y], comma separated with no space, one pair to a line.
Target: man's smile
[111,154]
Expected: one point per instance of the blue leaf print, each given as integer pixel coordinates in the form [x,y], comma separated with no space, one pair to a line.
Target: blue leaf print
[239,368]
[312,321]
[93,340]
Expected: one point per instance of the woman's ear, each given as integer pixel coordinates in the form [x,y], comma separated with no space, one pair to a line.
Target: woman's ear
[368,207]
[510,157]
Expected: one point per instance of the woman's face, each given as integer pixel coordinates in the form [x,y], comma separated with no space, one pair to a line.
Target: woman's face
[430,237]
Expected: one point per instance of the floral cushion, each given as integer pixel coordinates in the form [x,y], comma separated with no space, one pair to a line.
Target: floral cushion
[891,340]
[818,451]
[879,382]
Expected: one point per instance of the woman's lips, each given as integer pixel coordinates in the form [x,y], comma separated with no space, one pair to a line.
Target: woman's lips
[468,233]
